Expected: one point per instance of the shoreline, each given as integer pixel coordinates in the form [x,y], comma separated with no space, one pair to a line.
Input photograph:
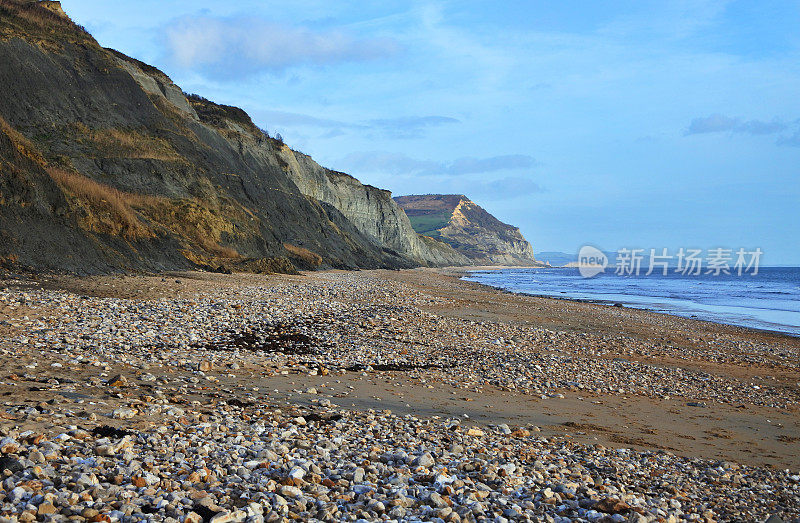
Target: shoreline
[453,368]
[462,273]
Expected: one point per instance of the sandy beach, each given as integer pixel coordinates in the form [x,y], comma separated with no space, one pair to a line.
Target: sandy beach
[389,395]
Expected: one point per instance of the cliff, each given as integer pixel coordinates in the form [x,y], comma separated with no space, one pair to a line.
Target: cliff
[371,210]
[468,228]
[107,165]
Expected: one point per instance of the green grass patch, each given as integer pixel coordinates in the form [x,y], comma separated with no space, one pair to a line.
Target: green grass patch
[429,224]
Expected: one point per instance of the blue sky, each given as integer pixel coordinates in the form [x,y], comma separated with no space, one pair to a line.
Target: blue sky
[626,124]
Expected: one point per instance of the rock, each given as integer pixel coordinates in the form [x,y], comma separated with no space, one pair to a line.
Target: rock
[87,480]
[437,500]
[90,513]
[358,475]
[229,517]
[376,506]
[9,446]
[118,381]
[611,506]
[424,460]
[46,508]
[123,413]
[289,491]
[17,494]
[474,431]
[205,366]
[471,230]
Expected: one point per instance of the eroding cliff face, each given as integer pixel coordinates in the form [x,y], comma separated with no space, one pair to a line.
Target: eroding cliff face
[468,228]
[115,168]
[372,210]
[108,165]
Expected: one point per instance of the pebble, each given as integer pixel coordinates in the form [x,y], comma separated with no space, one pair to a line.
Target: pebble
[238,456]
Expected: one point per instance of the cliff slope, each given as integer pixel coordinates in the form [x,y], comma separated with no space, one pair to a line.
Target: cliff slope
[371,210]
[107,165]
[468,228]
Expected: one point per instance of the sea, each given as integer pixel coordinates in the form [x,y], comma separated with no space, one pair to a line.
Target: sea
[768,300]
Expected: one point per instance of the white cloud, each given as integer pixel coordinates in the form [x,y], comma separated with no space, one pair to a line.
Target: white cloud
[718,123]
[227,48]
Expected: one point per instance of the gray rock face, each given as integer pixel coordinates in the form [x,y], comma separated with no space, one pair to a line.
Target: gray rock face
[155,83]
[372,210]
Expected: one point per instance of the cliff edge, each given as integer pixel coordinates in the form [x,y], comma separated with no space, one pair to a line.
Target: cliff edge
[468,228]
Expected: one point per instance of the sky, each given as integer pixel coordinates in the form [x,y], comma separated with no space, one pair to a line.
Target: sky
[631,124]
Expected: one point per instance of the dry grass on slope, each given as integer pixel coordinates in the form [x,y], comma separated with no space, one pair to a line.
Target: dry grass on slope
[104,209]
[199,223]
[308,259]
[28,18]
[23,146]
[126,143]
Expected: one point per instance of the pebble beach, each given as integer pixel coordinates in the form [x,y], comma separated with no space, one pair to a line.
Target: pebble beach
[382,396]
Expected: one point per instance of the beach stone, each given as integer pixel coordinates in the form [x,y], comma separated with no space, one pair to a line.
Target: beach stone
[423,460]
[86,480]
[611,506]
[8,445]
[123,413]
[358,475]
[118,380]
[290,491]
[203,449]
[229,517]
[46,508]
[437,500]
[17,494]
[376,506]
